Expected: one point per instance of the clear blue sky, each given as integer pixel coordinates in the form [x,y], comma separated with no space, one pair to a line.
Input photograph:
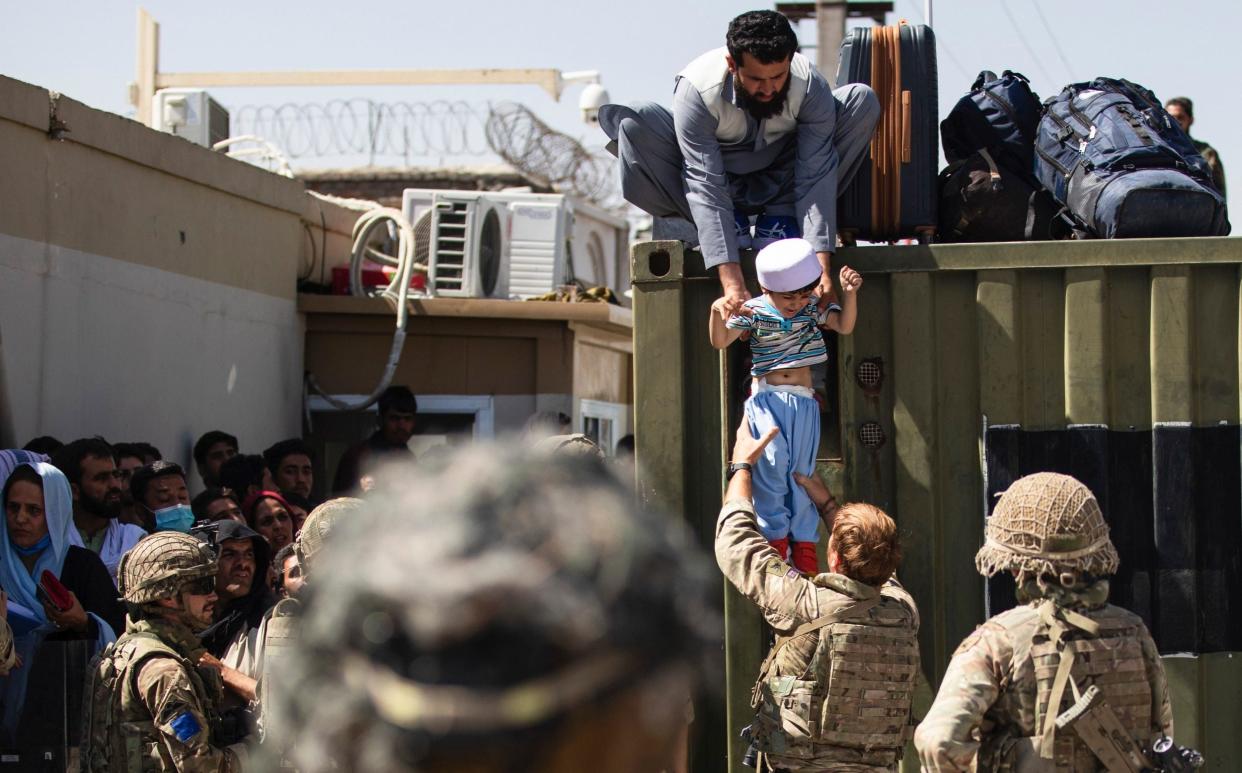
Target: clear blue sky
[86,48]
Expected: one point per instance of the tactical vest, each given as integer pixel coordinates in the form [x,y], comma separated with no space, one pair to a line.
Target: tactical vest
[118,732]
[279,634]
[853,701]
[708,74]
[1112,662]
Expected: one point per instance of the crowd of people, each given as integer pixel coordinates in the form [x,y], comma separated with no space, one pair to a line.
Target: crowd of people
[75,510]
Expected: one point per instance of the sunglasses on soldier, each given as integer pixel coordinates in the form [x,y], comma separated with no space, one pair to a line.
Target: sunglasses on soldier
[200,587]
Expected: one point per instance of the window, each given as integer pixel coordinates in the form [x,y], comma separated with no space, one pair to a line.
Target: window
[603,422]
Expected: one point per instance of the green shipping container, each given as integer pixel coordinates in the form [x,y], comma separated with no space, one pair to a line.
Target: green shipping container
[1116,361]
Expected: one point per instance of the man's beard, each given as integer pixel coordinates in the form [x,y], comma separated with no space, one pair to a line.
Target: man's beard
[100,508]
[761,110]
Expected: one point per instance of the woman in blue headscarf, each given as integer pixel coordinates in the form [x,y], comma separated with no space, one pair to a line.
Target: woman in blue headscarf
[38,536]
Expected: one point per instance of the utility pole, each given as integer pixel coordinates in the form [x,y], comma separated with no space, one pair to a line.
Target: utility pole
[830,16]
[830,31]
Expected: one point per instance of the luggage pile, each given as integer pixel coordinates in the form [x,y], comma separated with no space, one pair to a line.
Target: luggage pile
[1101,159]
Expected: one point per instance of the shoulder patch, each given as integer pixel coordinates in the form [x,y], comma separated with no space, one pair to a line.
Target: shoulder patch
[969,642]
[776,566]
[185,727]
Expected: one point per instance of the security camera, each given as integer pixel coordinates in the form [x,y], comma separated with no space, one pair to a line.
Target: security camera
[593,97]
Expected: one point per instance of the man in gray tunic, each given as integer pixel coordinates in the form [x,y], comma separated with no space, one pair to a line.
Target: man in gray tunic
[755,129]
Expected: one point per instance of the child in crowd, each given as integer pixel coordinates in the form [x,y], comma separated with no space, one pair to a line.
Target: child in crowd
[785,341]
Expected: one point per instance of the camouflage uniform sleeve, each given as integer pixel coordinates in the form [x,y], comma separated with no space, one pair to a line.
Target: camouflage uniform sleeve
[181,719]
[1161,707]
[786,597]
[946,739]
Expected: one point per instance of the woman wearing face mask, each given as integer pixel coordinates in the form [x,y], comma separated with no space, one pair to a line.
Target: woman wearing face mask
[160,491]
[39,536]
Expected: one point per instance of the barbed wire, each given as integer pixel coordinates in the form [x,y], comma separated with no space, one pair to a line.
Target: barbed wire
[344,127]
[433,130]
[528,144]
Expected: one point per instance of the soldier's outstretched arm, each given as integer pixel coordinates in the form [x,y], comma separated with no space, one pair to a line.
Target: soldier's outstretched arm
[786,598]
[181,720]
[945,737]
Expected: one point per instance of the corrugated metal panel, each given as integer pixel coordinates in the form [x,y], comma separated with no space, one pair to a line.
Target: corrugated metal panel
[1116,360]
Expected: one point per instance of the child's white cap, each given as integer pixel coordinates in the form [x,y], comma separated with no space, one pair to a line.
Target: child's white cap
[787,265]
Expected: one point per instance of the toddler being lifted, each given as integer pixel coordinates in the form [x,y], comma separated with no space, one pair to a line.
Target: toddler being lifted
[785,342]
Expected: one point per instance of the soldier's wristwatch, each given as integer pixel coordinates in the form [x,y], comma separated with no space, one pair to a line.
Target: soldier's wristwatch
[736,467]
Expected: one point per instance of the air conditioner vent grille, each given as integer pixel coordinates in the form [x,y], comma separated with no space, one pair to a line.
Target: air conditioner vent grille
[450,268]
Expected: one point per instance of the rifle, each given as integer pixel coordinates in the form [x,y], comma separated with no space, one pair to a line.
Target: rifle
[1099,728]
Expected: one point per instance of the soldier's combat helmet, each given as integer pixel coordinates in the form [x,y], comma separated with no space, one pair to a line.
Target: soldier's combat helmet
[160,564]
[1047,525]
[317,525]
[476,602]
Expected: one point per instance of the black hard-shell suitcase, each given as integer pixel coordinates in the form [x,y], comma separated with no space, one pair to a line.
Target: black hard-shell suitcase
[894,194]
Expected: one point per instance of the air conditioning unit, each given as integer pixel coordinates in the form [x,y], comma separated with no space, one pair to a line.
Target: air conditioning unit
[190,113]
[485,244]
[461,237]
[540,257]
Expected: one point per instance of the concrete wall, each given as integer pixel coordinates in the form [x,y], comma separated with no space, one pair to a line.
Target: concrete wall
[147,285]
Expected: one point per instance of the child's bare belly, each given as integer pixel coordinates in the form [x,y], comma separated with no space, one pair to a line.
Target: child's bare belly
[789,377]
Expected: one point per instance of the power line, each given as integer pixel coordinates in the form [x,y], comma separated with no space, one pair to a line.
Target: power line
[940,46]
[1069,71]
[1025,43]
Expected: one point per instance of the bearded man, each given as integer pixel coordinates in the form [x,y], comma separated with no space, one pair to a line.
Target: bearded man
[90,466]
[755,129]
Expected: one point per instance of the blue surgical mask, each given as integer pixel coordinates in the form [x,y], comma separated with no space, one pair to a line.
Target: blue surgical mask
[176,518]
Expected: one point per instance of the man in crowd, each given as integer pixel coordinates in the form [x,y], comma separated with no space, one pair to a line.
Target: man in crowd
[397,408]
[217,504]
[602,632]
[243,599]
[755,129]
[128,461]
[850,631]
[1182,110]
[161,494]
[291,464]
[89,465]
[288,571]
[999,701]
[147,706]
[245,475]
[44,444]
[211,450]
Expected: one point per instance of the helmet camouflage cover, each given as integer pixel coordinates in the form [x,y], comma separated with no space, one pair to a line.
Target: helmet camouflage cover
[317,525]
[160,564]
[1047,524]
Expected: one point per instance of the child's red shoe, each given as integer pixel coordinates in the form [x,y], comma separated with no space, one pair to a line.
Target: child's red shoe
[804,558]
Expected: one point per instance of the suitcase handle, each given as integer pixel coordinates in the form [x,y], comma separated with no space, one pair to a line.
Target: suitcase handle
[905,127]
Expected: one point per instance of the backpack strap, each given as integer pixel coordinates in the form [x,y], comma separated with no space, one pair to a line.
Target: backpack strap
[1058,621]
[802,630]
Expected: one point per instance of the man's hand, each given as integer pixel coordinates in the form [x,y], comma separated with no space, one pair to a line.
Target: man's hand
[818,491]
[748,449]
[824,289]
[726,307]
[733,289]
[851,280]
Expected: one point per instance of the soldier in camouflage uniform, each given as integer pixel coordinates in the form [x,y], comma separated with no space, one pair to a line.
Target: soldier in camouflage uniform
[1012,677]
[278,631]
[835,692]
[496,609]
[148,706]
